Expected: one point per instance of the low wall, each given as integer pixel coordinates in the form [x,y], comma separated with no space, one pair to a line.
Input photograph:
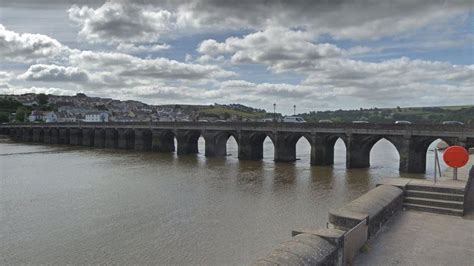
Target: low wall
[303,249]
[378,205]
[326,246]
[469,193]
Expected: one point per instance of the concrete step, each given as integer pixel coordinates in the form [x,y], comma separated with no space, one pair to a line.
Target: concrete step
[435,203]
[447,211]
[440,189]
[434,195]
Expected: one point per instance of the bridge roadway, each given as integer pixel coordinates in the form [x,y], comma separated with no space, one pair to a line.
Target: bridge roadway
[411,141]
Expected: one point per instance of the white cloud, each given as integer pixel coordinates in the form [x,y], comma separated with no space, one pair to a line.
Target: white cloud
[279,48]
[55,73]
[394,80]
[159,68]
[27,47]
[47,90]
[137,49]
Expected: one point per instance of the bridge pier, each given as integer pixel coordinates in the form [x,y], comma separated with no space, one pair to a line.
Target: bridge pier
[99,138]
[285,147]
[75,136]
[54,136]
[126,139]
[38,135]
[27,135]
[111,138]
[251,145]
[87,137]
[143,139]
[63,136]
[19,134]
[12,133]
[188,141]
[357,152]
[216,143]
[47,135]
[163,141]
[322,149]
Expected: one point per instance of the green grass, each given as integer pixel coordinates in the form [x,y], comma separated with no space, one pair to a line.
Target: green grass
[221,111]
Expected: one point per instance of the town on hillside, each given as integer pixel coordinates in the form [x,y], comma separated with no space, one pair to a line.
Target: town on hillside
[42,108]
[39,108]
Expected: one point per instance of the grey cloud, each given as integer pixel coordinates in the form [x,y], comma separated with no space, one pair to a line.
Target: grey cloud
[117,21]
[54,73]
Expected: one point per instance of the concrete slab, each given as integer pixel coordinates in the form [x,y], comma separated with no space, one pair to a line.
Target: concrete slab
[420,238]
[456,184]
[397,182]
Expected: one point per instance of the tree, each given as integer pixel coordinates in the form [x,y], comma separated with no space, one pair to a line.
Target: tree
[3,117]
[42,99]
[81,95]
[21,114]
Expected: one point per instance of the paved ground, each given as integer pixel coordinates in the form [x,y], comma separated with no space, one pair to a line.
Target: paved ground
[420,238]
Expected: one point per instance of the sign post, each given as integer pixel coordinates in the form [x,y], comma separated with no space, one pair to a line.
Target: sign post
[455,157]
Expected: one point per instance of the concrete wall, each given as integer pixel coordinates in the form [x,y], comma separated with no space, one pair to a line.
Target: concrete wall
[303,249]
[378,205]
[326,246]
[469,193]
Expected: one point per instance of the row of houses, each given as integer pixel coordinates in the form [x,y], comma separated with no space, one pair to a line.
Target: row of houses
[61,117]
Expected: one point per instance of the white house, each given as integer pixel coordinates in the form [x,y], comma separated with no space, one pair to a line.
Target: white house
[97,117]
[36,116]
[50,117]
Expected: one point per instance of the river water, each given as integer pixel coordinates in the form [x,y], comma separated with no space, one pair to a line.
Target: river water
[61,204]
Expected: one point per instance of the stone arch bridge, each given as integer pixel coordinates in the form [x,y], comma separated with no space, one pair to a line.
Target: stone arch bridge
[411,141]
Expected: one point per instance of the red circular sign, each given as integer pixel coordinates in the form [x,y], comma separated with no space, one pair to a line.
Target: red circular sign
[456,156]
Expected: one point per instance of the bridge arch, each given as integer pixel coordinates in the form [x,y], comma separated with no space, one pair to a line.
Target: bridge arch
[188,141]
[143,139]
[163,140]
[323,148]
[303,148]
[111,138]
[428,146]
[285,145]
[358,153]
[385,148]
[251,144]
[216,142]
[126,138]
[99,137]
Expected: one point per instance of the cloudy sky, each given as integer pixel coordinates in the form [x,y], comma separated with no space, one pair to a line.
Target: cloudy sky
[315,54]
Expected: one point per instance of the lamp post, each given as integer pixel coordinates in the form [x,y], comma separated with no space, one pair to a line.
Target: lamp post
[294,109]
[274,112]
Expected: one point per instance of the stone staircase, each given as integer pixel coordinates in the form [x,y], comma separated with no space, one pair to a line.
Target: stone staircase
[435,199]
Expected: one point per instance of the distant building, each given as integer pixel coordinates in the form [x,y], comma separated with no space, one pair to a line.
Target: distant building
[36,116]
[97,117]
[66,117]
[50,117]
